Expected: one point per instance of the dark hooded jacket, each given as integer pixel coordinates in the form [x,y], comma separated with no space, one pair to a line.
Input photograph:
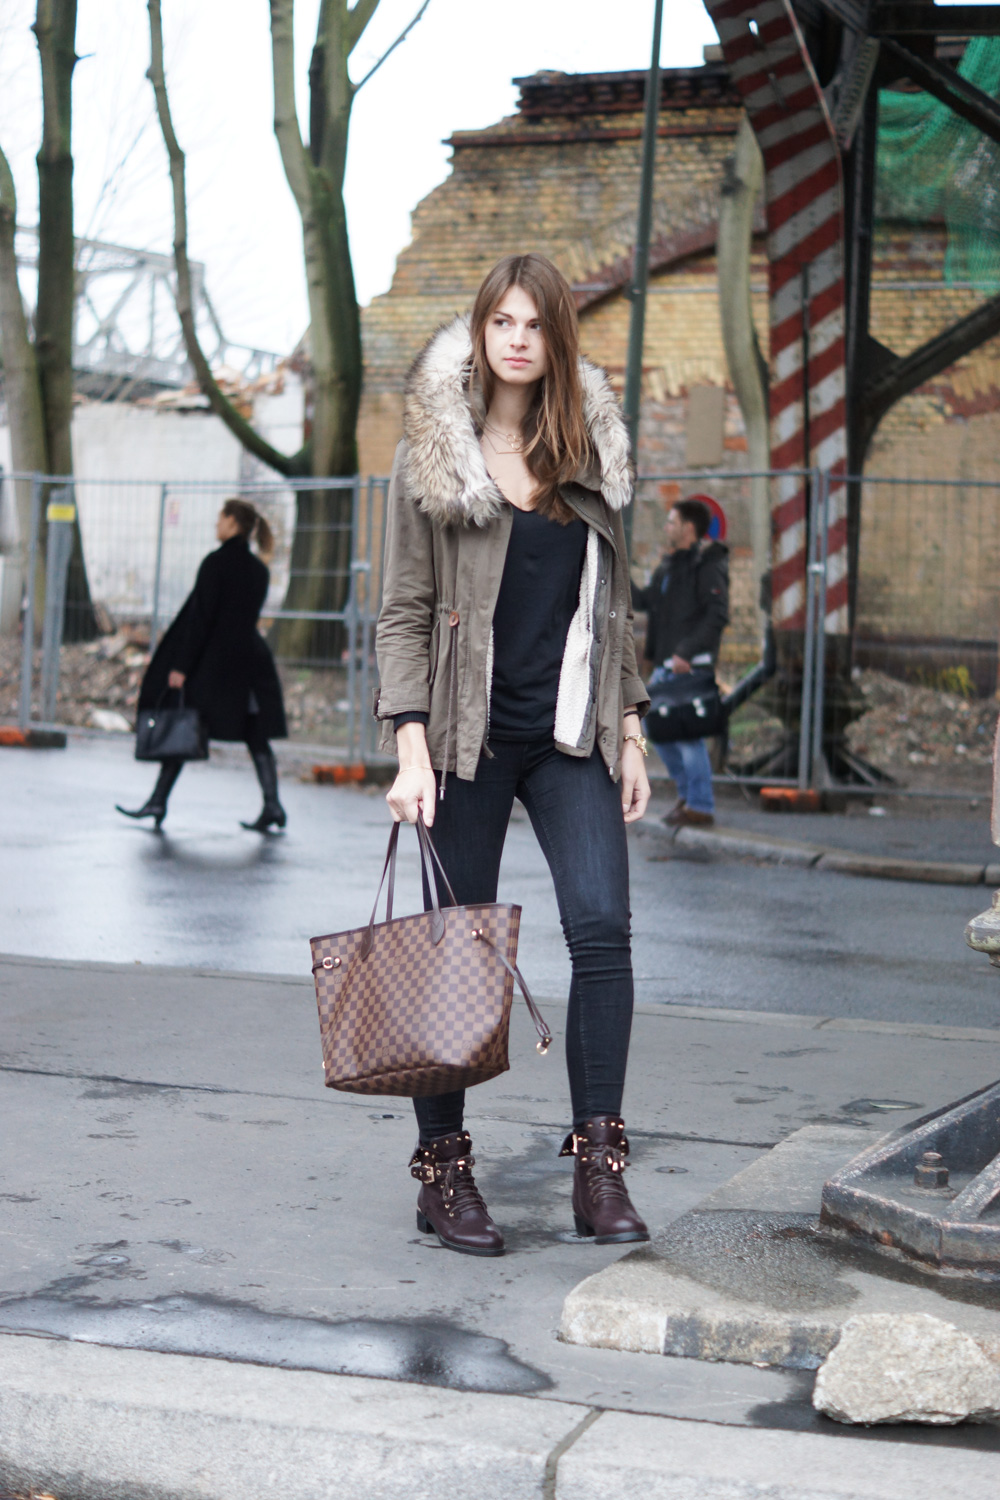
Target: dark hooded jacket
[215,642]
[686,603]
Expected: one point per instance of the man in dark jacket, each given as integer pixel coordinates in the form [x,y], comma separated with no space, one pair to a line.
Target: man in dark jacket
[687,608]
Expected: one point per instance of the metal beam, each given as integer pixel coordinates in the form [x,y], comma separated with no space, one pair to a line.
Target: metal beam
[906,373]
[961,97]
[899,18]
[853,13]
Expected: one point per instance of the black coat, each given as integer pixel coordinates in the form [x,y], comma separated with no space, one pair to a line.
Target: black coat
[215,642]
[686,603]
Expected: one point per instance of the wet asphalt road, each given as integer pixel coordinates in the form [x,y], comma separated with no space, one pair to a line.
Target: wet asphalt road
[180,1180]
[84,883]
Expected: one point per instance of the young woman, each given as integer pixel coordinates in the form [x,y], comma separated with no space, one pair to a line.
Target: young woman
[214,651]
[508,670]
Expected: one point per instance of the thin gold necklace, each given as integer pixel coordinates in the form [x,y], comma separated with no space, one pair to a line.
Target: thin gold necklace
[515,439]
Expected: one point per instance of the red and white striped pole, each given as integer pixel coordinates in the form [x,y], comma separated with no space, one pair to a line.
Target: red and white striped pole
[769,64]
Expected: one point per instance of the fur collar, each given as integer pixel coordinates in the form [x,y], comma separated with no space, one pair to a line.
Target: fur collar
[445,469]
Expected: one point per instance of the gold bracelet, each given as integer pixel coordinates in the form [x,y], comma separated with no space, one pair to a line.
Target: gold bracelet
[640,740]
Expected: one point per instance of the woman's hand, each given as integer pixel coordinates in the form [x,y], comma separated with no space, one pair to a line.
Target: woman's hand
[176,680]
[635,782]
[413,792]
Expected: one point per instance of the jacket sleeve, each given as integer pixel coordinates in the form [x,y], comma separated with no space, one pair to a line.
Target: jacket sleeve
[200,618]
[403,633]
[634,693]
[713,609]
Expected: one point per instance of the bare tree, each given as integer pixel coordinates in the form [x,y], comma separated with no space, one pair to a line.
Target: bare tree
[315,175]
[38,377]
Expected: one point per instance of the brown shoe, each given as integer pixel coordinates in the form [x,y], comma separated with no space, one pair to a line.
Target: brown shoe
[673,817]
[602,1208]
[688,817]
[449,1204]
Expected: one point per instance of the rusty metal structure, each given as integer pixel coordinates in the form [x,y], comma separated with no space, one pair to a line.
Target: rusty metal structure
[932,1190]
[809,73]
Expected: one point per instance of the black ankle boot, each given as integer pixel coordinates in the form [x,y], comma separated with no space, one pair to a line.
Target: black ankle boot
[272,813]
[602,1208]
[156,807]
[449,1204]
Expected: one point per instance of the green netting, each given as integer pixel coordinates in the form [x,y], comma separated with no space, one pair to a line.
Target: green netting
[933,166]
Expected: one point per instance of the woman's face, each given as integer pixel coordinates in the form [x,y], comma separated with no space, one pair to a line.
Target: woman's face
[226,527]
[515,345]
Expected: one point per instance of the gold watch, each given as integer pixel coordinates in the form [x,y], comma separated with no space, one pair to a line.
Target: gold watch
[640,740]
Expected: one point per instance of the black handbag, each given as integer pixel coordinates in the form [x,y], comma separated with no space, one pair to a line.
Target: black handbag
[170,733]
[688,706]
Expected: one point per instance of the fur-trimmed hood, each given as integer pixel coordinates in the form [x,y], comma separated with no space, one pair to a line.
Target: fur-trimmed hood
[445,469]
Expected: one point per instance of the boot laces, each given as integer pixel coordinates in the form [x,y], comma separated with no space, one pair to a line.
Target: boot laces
[604,1167]
[458,1186]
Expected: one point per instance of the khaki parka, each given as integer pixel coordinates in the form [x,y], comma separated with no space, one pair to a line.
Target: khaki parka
[447,532]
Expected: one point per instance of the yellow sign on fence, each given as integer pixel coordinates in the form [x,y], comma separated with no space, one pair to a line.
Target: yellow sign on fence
[58,510]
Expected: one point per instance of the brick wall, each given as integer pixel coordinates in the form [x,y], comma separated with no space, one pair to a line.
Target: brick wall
[561,177]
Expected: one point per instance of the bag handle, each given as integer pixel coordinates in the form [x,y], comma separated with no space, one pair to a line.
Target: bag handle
[166,690]
[545,1035]
[429,855]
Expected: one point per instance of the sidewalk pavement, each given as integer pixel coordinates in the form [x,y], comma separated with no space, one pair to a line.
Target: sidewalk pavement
[939,842]
[211,1282]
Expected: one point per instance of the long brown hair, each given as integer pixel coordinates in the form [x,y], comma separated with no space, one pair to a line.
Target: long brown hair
[556,444]
[252,525]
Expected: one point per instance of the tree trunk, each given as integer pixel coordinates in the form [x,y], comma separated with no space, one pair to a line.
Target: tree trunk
[22,393]
[320,579]
[55,32]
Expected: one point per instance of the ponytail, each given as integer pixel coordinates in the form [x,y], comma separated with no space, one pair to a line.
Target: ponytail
[264,537]
[253,526]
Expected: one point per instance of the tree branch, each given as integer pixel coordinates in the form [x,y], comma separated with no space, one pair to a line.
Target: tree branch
[250,438]
[286,119]
[389,50]
[357,20]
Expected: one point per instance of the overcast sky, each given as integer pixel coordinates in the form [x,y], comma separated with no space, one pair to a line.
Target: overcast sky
[453,72]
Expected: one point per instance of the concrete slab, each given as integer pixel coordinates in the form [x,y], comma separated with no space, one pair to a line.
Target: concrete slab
[640,1458]
[885,867]
[88,1423]
[750,1276]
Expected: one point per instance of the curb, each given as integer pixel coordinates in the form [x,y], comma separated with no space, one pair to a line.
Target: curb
[779,851]
[88,1422]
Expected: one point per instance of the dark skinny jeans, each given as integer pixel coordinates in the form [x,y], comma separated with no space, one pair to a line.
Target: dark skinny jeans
[576,811]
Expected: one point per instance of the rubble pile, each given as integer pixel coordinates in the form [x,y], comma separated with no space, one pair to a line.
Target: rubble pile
[906,726]
[99,685]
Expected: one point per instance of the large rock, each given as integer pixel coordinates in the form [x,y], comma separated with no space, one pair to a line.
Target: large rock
[888,1367]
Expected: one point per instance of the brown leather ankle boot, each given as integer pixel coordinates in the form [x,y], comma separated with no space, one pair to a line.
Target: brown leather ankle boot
[449,1204]
[602,1208]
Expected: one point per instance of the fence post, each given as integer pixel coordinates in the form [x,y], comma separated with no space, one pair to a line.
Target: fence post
[28,639]
[60,514]
[366,626]
[352,625]
[809,643]
[819,691]
[154,620]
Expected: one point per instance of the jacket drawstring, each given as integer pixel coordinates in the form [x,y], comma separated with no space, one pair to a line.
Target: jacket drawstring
[453,619]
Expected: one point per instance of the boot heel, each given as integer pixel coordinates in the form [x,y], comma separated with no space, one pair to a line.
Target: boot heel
[583,1229]
[424,1225]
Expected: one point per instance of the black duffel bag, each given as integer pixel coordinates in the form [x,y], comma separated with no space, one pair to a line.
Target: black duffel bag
[170,733]
[688,706]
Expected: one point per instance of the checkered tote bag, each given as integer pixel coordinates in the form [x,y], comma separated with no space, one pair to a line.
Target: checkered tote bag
[419,1005]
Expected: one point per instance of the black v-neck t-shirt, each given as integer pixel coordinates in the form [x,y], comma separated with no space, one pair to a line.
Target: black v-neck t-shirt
[539,595]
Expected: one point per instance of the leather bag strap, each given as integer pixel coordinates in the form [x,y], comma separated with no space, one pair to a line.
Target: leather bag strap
[545,1035]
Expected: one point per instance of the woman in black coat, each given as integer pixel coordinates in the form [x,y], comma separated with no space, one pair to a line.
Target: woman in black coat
[214,651]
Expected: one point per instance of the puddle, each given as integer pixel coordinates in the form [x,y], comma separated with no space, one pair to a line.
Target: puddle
[426,1351]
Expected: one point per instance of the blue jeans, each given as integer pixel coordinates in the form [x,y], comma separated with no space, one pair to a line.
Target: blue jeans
[688,762]
[576,812]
